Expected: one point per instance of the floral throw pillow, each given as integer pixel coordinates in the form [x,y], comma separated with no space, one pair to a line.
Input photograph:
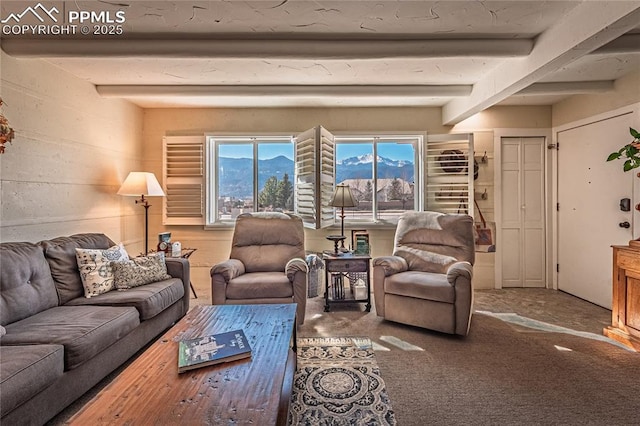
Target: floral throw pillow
[95,268]
[140,271]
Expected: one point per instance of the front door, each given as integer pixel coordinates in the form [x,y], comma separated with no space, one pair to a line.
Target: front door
[589,215]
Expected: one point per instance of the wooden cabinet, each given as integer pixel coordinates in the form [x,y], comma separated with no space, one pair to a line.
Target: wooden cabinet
[625,310]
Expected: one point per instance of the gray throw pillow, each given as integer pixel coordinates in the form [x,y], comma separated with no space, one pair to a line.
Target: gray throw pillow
[139,271]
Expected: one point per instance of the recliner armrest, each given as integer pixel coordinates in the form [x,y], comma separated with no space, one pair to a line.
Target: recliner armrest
[391,264]
[229,269]
[459,269]
[295,265]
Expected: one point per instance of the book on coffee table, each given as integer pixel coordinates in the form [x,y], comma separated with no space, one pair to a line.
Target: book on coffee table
[213,349]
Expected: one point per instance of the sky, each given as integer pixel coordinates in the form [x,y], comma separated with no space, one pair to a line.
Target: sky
[392,151]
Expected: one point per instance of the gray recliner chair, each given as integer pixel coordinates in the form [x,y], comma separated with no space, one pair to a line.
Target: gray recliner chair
[427,282]
[266,263]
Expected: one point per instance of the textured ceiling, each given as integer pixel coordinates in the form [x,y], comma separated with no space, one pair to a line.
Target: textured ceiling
[461,55]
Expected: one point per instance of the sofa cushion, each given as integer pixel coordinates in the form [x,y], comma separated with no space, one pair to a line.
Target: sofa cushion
[420,285]
[61,254]
[139,271]
[149,300]
[84,331]
[96,270]
[260,285]
[26,285]
[26,370]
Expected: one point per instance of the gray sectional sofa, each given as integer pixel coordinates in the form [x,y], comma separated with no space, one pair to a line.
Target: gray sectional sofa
[57,343]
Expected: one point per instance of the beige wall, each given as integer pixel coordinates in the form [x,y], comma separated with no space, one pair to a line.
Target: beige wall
[626,92]
[214,245]
[71,152]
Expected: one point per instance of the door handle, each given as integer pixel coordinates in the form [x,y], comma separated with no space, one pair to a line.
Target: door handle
[624,224]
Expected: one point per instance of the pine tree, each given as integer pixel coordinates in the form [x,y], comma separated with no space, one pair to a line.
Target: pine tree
[284,195]
[268,195]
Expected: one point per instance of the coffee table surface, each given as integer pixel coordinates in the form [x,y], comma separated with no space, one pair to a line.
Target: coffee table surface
[150,390]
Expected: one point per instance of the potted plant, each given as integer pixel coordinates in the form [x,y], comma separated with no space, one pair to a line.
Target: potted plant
[630,151]
[6,131]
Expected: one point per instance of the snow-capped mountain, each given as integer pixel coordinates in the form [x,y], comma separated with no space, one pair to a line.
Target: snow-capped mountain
[360,167]
[235,173]
[368,159]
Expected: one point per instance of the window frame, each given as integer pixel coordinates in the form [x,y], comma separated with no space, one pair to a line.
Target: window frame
[376,138]
[213,142]
[421,162]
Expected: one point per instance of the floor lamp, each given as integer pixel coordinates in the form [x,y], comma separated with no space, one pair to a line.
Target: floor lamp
[342,197]
[142,184]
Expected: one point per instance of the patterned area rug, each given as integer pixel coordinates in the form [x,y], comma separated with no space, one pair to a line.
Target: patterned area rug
[338,383]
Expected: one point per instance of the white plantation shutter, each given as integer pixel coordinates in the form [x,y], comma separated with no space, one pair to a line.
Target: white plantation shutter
[314,177]
[184,184]
[449,177]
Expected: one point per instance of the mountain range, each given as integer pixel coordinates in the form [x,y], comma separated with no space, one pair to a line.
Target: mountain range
[235,174]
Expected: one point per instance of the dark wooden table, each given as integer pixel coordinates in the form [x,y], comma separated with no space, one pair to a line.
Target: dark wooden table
[251,391]
[349,266]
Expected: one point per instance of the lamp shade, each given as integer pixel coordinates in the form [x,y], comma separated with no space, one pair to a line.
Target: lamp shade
[343,197]
[141,183]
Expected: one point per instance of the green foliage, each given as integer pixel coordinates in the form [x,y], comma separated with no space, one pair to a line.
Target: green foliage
[630,151]
[277,194]
[268,195]
[284,194]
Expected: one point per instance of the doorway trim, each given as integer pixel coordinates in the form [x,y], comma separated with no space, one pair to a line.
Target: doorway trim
[498,134]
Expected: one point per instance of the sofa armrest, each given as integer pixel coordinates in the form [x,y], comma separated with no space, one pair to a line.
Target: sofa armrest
[179,267]
[391,264]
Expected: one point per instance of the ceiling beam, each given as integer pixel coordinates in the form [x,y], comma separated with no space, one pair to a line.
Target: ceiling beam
[568,88]
[585,28]
[274,49]
[119,91]
[434,91]
[628,43]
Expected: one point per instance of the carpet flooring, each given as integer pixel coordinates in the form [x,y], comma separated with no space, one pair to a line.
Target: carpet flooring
[502,373]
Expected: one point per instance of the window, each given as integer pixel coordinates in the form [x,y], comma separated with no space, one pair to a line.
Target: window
[250,174]
[210,180]
[382,174]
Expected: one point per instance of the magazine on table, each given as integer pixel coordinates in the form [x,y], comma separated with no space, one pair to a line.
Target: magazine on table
[212,349]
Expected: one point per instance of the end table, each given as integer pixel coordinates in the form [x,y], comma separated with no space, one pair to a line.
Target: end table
[353,267]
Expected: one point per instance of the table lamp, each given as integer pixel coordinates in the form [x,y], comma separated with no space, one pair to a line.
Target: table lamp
[142,184]
[342,197]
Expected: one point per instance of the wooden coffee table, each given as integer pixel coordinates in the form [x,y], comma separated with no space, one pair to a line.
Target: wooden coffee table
[250,391]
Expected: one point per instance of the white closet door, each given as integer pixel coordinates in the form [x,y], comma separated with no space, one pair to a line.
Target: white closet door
[522,227]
